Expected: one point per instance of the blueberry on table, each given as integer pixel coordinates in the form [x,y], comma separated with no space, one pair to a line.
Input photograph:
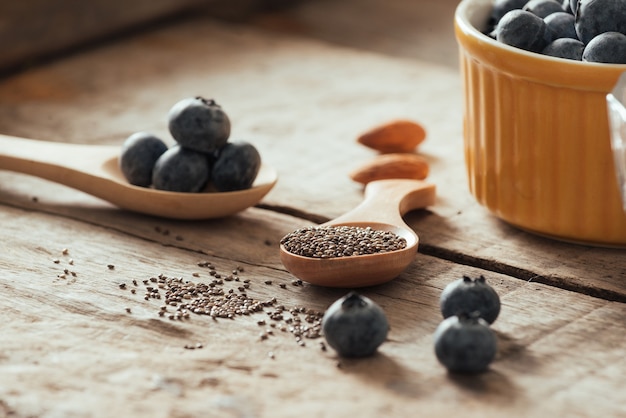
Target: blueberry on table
[468,296]
[138,155]
[236,166]
[598,16]
[199,124]
[543,8]
[181,169]
[465,344]
[523,29]
[566,48]
[608,47]
[355,326]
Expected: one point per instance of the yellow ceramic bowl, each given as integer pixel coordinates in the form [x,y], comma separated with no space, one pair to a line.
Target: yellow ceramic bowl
[536,136]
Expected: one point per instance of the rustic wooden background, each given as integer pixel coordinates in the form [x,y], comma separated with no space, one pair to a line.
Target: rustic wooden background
[31,30]
[301,84]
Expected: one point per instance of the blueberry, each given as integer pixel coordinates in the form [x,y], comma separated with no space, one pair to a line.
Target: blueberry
[138,155]
[608,47]
[598,16]
[355,326]
[236,166]
[465,344]
[561,25]
[181,169]
[501,7]
[199,124]
[469,296]
[566,48]
[573,6]
[524,30]
[567,7]
[543,8]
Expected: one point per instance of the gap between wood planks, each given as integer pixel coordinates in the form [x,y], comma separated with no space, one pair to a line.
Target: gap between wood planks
[472,261]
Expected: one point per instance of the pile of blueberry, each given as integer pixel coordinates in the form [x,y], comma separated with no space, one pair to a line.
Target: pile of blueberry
[464,341]
[202,158]
[582,30]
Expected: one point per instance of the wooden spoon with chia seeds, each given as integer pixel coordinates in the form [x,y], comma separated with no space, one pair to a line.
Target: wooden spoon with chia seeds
[385,202]
[94,169]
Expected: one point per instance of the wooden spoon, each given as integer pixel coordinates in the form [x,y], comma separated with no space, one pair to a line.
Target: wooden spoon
[385,202]
[94,169]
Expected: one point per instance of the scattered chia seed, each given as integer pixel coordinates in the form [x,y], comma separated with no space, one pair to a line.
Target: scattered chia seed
[340,241]
[183,298]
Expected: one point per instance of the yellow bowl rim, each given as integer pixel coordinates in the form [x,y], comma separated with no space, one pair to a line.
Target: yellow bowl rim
[528,65]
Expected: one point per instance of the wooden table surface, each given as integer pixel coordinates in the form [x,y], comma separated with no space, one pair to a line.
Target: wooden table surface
[79,339]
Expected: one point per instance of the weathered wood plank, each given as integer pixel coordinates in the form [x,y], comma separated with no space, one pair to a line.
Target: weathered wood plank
[71,348]
[74,350]
[404,28]
[303,104]
[32,29]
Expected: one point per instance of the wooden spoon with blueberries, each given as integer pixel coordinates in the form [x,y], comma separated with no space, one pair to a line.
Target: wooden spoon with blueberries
[122,175]
[310,255]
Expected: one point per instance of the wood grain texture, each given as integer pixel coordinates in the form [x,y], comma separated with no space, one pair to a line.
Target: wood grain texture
[32,29]
[71,348]
[403,28]
[75,350]
[303,104]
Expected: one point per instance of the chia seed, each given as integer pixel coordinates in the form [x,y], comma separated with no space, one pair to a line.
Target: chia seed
[341,241]
[219,299]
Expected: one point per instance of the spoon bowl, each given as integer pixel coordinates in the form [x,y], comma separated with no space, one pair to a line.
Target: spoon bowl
[94,169]
[385,202]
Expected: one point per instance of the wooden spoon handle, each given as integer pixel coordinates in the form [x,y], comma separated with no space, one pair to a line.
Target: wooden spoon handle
[386,201]
[59,162]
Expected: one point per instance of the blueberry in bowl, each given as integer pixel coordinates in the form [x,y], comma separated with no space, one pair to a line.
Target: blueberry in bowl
[535,125]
